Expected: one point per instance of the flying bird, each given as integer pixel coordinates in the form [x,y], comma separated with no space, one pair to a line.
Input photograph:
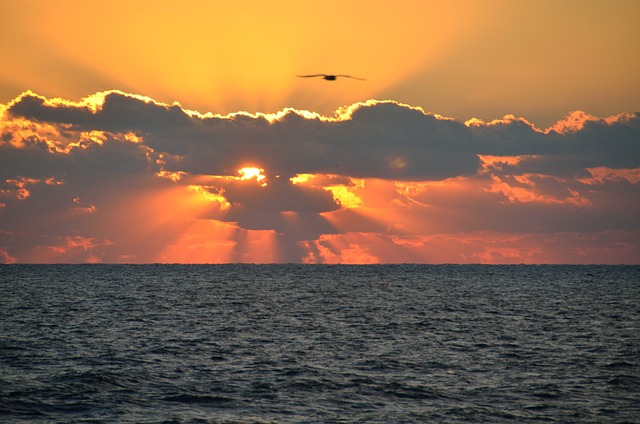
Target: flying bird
[329,77]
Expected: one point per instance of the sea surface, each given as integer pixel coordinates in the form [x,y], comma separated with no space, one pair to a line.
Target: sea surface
[307,344]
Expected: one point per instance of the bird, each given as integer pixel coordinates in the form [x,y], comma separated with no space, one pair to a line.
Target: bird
[329,77]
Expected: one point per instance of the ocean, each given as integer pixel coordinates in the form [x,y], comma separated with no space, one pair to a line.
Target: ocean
[319,343]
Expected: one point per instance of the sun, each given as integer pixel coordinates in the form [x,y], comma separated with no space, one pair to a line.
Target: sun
[250,172]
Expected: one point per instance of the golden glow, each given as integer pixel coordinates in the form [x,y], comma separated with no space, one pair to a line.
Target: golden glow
[173,176]
[523,189]
[97,137]
[301,178]
[576,120]
[344,196]
[257,246]
[62,138]
[22,130]
[92,102]
[461,58]
[171,224]
[250,172]
[203,241]
[393,222]
[22,184]
[83,209]
[73,248]
[602,174]
[491,163]
[351,248]
[133,138]
[226,56]
[214,197]
[506,120]
[411,189]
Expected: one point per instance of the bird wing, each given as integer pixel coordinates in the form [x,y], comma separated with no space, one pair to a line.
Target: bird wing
[310,76]
[349,76]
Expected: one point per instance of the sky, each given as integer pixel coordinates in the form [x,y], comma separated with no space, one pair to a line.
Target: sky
[179,132]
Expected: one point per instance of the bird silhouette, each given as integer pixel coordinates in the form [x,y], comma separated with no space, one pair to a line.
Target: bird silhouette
[329,77]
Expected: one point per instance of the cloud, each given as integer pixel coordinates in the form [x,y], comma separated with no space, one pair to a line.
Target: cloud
[121,177]
[371,139]
[609,247]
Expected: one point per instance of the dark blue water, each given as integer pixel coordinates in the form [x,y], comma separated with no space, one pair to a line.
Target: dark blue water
[291,343]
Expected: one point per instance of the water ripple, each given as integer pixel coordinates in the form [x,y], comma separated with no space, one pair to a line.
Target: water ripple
[289,343]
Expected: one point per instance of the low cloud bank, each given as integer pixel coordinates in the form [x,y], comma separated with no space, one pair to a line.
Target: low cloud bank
[121,178]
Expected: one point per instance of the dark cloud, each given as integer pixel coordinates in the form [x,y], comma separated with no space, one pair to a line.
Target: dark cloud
[82,173]
[597,143]
[125,113]
[379,140]
[33,107]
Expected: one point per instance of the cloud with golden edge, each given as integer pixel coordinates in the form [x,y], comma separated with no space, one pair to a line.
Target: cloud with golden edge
[119,177]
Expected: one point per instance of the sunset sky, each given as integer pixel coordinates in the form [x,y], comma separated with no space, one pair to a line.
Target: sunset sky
[158,131]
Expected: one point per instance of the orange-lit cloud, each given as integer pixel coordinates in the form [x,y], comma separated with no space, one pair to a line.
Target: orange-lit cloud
[123,178]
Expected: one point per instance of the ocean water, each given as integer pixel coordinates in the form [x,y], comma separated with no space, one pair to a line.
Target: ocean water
[305,343]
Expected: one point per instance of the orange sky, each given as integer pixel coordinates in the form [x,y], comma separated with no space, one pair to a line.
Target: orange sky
[538,59]
[485,132]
